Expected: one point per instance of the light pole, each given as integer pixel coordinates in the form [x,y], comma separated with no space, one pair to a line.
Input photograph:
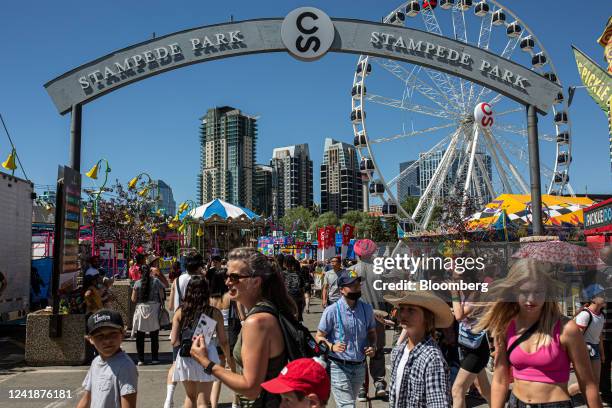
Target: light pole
[93,174]
[186,207]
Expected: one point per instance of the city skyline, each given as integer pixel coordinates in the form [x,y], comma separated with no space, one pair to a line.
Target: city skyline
[150,126]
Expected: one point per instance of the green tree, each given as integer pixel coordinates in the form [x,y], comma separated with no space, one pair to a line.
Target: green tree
[353,217]
[410,204]
[297,219]
[370,227]
[328,218]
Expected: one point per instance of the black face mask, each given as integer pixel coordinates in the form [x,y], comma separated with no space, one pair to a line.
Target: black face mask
[353,295]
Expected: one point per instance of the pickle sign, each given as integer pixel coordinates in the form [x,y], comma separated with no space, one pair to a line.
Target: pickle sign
[308,33]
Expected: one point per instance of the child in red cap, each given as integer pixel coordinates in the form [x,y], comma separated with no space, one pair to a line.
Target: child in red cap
[303,383]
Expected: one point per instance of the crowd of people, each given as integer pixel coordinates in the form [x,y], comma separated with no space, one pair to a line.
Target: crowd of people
[228,328]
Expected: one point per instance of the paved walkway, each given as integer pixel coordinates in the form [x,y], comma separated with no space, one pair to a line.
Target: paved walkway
[152,379]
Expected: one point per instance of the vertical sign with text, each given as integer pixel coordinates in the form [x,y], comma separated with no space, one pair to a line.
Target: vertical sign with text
[71,199]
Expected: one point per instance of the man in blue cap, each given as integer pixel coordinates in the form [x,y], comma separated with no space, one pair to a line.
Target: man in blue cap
[348,328]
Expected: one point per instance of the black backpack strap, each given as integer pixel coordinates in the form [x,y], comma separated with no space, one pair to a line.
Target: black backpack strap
[586,309]
[178,289]
[521,339]
[263,308]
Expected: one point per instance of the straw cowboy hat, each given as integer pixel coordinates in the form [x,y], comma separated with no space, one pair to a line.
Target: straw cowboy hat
[442,315]
[152,258]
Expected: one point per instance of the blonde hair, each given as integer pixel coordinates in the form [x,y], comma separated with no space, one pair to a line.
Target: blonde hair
[504,308]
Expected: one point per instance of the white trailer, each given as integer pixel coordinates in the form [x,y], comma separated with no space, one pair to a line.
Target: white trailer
[15,245]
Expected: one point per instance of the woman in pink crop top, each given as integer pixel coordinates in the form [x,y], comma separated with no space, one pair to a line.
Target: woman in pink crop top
[540,364]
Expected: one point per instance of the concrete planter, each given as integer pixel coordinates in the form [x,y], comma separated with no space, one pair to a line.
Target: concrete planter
[120,301]
[68,349]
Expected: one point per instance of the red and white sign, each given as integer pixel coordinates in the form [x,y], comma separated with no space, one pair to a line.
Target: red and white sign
[326,238]
[347,234]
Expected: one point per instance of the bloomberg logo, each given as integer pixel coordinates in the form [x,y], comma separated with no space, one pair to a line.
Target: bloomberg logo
[308,33]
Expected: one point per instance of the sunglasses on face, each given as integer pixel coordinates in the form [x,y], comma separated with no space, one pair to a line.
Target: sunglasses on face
[236,277]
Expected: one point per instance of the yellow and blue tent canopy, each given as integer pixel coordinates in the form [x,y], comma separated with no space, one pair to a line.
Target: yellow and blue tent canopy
[558,211]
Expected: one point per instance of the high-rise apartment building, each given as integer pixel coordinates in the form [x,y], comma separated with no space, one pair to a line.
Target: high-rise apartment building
[291,179]
[341,189]
[409,181]
[227,156]
[262,198]
[428,166]
[162,193]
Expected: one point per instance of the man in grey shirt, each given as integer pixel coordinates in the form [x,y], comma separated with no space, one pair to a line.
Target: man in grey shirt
[331,292]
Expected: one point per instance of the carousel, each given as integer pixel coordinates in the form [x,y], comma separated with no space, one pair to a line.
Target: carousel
[218,226]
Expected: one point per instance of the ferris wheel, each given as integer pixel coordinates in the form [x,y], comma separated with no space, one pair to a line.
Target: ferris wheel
[459,138]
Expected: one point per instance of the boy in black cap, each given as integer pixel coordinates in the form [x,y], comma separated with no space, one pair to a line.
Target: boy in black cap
[112,379]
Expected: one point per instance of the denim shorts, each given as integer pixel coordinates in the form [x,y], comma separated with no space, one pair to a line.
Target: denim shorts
[514,402]
[593,351]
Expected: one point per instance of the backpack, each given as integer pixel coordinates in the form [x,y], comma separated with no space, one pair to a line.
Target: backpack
[299,343]
[585,309]
[293,283]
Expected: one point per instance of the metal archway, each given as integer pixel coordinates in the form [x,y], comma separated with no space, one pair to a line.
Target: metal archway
[307,33]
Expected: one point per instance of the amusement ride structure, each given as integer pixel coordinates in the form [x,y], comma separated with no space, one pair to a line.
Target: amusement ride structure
[475,137]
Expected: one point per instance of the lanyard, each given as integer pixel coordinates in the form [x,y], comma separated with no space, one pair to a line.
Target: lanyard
[341,326]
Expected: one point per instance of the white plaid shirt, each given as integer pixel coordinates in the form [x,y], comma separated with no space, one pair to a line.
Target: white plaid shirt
[426,381]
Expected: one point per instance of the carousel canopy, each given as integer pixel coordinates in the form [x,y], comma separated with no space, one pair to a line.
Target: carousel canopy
[558,210]
[223,210]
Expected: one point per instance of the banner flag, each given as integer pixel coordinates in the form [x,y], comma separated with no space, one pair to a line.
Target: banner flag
[347,234]
[400,232]
[326,238]
[598,82]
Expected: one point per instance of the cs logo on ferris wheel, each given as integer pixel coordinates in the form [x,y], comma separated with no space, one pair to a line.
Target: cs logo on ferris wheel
[483,115]
[308,33]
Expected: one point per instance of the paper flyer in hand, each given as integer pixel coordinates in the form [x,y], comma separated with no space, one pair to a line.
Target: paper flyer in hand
[206,327]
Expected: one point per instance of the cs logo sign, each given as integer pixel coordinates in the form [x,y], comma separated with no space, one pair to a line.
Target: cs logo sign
[483,115]
[308,33]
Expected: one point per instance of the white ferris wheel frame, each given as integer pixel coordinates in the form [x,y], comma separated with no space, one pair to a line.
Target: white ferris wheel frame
[446,90]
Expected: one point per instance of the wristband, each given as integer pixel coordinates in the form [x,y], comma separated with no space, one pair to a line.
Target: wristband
[332,347]
[209,368]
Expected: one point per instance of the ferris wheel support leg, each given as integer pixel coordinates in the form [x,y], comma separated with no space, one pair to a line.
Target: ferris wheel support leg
[468,178]
[366,196]
[534,170]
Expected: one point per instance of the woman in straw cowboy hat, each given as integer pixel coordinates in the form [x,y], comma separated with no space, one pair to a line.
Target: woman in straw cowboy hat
[536,340]
[153,262]
[419,374]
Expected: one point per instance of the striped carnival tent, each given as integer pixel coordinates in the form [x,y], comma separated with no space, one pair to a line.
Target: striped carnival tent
[222,210]
[558,211]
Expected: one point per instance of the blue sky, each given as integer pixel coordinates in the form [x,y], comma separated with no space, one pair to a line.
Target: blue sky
[152,125]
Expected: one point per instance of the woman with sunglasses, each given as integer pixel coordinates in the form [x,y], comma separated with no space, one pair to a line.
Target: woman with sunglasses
[260,350]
